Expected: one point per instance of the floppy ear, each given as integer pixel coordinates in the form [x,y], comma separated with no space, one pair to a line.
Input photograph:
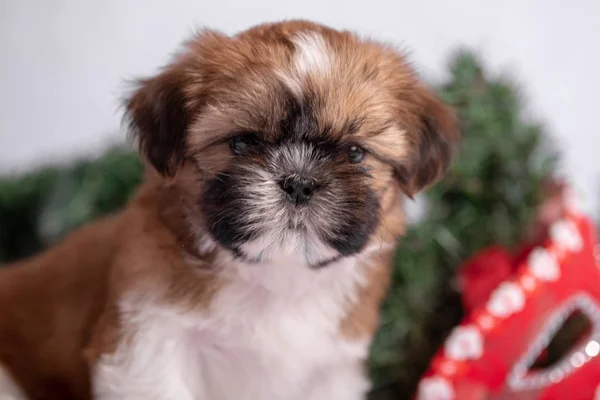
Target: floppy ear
[434,138]
[158,118]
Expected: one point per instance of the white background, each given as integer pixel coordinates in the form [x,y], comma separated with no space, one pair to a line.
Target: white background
[63,63]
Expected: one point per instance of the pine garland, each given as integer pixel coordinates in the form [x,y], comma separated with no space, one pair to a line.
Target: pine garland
[488,197]
[38,209]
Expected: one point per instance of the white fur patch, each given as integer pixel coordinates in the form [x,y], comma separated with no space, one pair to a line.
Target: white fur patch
[312,53]
[312,56]
[272,332]
[9,390]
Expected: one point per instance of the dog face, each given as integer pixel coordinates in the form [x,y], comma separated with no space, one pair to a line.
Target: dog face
[300,137]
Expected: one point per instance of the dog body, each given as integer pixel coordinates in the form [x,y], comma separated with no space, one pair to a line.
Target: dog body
[252,262]
[268,332]
[265,335]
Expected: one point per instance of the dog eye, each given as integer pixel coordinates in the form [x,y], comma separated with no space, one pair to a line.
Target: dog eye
[356,154]
[244,144]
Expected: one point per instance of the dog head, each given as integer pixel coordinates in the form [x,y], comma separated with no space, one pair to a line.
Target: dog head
[292,137]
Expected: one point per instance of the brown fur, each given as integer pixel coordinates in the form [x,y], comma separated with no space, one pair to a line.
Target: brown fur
[55,306]
[58,310]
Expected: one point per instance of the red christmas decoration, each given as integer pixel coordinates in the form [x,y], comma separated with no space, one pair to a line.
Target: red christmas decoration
[503,349]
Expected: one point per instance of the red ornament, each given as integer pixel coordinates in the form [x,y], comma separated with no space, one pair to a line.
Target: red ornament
[482,274]
[504,347]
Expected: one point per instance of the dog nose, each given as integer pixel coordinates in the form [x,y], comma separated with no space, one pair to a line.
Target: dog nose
[298,189]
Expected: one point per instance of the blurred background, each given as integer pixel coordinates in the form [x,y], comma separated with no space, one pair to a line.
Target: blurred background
[523,76]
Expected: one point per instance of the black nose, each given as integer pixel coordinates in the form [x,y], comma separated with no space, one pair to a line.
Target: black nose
[298,189]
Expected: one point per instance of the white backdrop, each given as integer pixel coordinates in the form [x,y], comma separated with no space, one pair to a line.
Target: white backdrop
[63,62]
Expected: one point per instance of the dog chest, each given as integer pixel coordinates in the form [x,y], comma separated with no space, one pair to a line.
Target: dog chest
[250,343]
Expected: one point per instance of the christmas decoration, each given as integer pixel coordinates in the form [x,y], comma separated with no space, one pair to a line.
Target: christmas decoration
[489,197]
[506,347]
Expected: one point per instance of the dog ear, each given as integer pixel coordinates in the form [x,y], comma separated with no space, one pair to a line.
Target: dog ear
[158,118]
[433,138]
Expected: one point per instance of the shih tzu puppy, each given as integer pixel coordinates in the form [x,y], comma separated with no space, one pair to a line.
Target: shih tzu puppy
[253,259]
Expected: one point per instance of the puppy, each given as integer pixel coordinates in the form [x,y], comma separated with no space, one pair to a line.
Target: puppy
[253,259]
